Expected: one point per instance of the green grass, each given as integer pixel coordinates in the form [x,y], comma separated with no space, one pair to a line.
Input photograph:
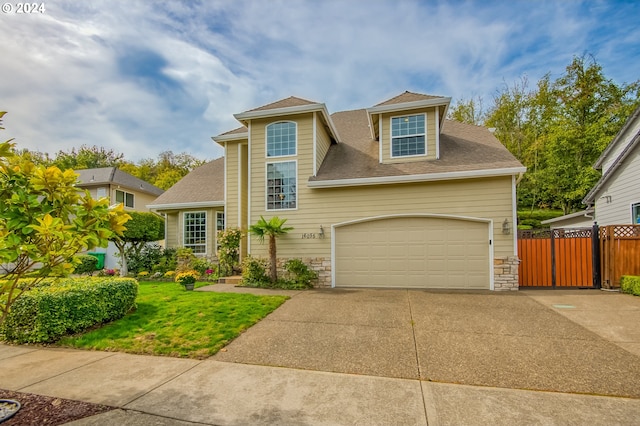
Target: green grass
[173,322]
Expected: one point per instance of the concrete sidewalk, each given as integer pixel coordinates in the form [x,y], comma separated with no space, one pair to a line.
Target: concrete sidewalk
[169,391]
[372,357]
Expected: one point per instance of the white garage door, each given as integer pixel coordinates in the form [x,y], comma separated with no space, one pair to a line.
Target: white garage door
[420,252]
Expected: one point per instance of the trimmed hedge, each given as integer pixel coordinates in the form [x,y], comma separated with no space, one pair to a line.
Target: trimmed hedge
[48,312]
[630,284]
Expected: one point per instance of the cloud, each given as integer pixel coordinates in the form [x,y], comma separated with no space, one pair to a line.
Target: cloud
[145,77]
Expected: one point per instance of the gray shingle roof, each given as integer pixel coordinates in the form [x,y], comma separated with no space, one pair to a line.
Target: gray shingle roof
[113,175]
[408,97]
[202,184]
[463,147]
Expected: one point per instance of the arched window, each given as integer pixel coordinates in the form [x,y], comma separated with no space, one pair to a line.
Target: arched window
[281,139]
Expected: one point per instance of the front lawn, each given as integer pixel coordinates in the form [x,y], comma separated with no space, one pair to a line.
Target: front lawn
[173,322]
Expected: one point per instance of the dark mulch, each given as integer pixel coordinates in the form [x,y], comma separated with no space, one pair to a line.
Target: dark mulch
[45,410]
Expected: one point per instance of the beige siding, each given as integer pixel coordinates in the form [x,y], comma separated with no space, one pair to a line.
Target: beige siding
[624,190]
[172,227]
[232,183]
[431,135]
[323,141]
[489,198]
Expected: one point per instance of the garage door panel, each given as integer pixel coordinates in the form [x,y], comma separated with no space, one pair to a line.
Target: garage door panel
[413,252]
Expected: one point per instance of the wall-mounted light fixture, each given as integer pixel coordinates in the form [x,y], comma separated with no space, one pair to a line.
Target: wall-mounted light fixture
[321,232]
[506,227]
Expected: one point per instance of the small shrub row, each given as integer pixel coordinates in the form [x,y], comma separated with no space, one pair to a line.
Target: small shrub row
[297,274]
[88,264]
[630,284]
[52,310]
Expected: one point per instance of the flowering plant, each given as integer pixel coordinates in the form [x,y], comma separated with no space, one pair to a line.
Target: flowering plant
[188,277]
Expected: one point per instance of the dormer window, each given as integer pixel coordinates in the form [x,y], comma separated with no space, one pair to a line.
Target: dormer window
[408,135]
[281,139]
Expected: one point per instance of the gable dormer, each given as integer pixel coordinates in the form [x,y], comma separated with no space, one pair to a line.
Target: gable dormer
[407,127]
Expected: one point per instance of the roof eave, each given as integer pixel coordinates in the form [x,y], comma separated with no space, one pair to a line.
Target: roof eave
[429,177]
[182,206]
[230,137]
[409,105]
[605,153]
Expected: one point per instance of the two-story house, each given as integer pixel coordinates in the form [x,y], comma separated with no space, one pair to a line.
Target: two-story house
[120,188]
[393,195]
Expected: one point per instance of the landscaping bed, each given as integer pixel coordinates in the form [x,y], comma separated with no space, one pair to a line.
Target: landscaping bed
[39,410]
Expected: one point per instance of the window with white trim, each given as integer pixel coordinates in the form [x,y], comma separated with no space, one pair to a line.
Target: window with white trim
[219,227]
[281,185]
[408,135]
[635,214]
[281,139]
[125,198]
[195,231]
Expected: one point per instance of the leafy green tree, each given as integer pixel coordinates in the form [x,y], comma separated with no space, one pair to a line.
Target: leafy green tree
[88,158]
[144,227]
[44,222]
[469,111]
[270,229]
[559,129]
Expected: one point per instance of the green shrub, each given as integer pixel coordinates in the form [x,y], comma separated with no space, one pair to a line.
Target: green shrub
[301,275]
[202,265]
[52,310]
[88,264]
[630,284]
[254,271]
[146,259]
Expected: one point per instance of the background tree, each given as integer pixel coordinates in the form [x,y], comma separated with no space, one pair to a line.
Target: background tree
[271,229]
[469,111]
[144,227]
[88,158]
[44,222]
[558,130]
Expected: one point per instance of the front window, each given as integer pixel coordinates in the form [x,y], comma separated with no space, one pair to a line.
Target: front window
[219,227]
[408,135]
[635,214]
[281,139]
[125,198]
[281,185]
[195,231]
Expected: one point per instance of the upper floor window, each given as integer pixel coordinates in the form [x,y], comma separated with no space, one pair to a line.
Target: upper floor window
[125,198]
[281,185]
[195,231]
[408,135]
[281,139]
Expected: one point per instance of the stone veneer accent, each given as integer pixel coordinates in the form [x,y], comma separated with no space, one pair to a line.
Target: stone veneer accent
[322,265]
[505,273]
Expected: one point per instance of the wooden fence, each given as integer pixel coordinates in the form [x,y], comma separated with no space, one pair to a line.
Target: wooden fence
[585,257]
[556,258]
[619,253]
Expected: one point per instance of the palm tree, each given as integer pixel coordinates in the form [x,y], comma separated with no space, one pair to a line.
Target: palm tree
[272,228]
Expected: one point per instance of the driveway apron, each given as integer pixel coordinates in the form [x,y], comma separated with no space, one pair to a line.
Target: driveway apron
[477,338]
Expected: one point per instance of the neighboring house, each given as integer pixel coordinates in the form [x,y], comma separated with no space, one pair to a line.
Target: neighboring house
[581,219]
[616,196]
[393,195]
[121,188]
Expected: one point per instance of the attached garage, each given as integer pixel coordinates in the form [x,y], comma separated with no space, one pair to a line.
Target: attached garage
[413,251]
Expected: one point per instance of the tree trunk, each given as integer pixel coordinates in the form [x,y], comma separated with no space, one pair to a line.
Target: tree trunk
[273,268]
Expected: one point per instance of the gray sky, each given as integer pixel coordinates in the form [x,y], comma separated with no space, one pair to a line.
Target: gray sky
[142,77]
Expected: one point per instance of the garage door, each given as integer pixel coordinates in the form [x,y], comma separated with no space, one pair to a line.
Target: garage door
[421,252]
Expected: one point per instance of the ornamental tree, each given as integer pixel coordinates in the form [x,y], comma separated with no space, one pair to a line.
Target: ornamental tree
[272,228]
[144,227]
[44,221]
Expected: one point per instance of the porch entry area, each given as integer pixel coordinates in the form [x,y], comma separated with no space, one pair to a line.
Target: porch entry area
[578,257]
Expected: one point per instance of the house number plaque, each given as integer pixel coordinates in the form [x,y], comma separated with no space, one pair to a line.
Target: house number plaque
[309,236]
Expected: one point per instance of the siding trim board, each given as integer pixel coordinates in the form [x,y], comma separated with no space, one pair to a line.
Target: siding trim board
[488,222]
[416,178]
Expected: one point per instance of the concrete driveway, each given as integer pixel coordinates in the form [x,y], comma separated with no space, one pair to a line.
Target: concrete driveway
[507,340]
